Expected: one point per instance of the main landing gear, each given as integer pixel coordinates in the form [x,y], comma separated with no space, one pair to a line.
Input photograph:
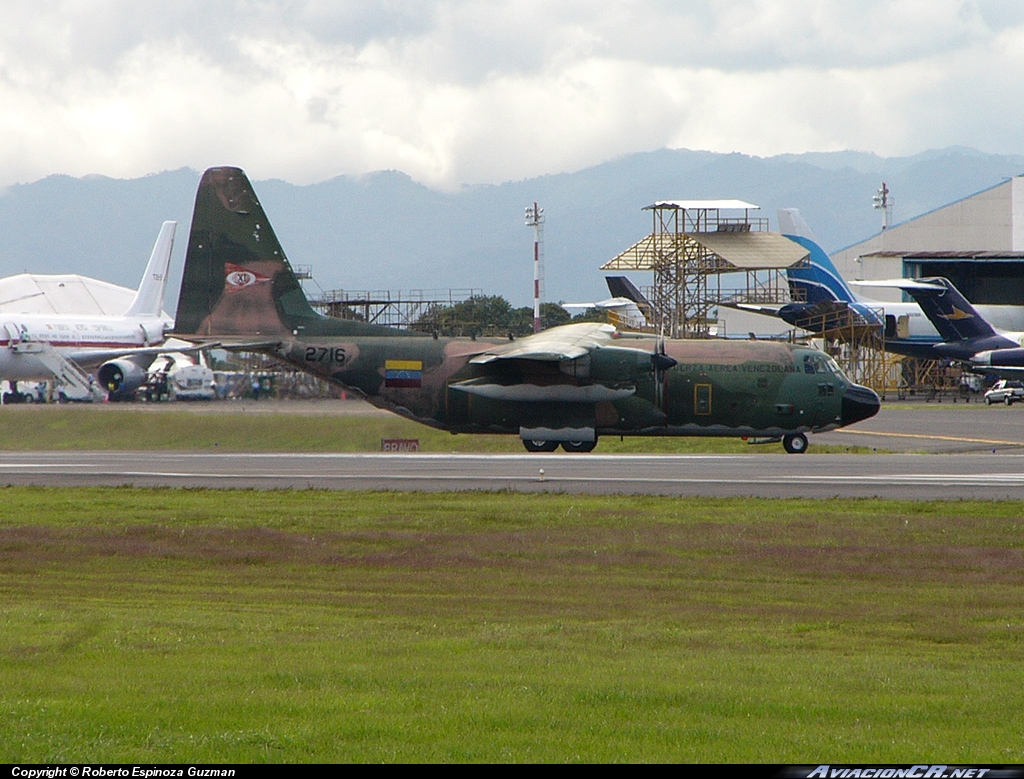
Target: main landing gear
[550,446]
[579,446]
[540,446]
[795,444]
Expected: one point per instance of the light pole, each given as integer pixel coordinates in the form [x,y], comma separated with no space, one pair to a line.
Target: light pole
[535,219]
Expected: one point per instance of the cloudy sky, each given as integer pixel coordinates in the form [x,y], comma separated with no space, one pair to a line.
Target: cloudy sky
[473,91]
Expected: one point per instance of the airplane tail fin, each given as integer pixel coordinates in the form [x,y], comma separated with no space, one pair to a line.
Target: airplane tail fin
[946,308]
[622,287]
[237,280]
[149,300]
[818,280]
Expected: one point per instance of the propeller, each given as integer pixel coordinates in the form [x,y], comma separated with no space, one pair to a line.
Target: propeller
[660,361]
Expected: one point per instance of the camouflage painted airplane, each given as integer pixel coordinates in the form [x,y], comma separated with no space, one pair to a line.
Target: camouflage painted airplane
[565,386]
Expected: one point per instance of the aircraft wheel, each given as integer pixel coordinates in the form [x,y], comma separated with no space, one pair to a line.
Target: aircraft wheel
[579,446]
[540,446]
[795,444]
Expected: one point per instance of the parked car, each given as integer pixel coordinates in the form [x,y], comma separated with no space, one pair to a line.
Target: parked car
[1008,391]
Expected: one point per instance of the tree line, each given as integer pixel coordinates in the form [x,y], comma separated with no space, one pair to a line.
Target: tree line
[493,316]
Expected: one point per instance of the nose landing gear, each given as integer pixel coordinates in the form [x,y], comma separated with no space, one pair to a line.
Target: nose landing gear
[795,444]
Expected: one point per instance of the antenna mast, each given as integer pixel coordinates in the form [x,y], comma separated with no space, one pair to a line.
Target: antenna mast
[883,202]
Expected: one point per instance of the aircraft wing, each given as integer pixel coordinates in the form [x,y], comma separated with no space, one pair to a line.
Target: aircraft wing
[927,284]
[550,375]
[568,342]
[754,308]
[244,346]
[1009,371]
[90,357]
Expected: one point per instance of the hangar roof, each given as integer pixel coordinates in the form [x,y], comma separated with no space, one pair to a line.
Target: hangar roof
[966,256]
[30,293]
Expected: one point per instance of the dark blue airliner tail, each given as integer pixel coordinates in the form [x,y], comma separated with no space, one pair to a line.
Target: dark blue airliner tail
[951,313]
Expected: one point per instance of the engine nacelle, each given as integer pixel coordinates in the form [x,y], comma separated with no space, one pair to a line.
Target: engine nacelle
[120,378]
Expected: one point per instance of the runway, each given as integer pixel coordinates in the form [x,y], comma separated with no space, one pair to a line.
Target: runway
[903,476]
[931,451]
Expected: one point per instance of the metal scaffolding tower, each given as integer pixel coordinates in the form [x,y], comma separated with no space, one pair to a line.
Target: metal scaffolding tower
[692,245]
[384,307]
[857,346]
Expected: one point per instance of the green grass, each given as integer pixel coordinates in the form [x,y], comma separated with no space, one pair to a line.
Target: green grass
[84,428]
[187,625]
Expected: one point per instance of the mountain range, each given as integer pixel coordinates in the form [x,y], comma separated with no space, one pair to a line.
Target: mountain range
[384,231]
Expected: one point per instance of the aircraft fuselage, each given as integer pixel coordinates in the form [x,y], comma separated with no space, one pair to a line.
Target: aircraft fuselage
[714,388]
[75,337]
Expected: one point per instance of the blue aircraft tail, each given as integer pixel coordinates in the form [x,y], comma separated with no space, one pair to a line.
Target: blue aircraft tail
[951,313]
[818,281]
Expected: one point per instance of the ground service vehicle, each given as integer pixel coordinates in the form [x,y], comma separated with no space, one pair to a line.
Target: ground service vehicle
[1008,391]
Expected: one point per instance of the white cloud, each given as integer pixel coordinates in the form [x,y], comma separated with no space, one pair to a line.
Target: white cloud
[472,91]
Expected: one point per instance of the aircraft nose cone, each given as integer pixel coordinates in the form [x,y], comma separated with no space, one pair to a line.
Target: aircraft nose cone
[858,403]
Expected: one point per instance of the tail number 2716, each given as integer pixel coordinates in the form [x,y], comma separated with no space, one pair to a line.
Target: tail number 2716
[326,354]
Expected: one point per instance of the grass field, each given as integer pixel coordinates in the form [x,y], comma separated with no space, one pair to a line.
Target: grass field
[177,625]
[256,429]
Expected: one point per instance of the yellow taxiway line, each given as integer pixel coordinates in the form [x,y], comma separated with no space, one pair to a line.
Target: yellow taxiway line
[933,437]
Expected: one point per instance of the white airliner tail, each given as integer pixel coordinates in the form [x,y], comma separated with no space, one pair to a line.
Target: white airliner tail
[149,300]
[792,222]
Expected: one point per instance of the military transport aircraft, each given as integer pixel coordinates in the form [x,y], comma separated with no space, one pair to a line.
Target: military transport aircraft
[565,386]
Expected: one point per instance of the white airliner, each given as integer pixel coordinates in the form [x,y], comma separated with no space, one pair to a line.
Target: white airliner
[627,309]
[622,312]
[41,347]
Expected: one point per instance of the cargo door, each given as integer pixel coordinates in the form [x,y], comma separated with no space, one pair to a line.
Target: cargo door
[12,333]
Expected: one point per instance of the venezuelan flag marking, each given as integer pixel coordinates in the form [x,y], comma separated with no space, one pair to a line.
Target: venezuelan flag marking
[403,373]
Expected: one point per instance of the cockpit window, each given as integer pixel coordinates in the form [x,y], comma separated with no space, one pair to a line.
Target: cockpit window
[820,363]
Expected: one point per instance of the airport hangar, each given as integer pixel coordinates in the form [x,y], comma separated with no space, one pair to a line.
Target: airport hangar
[977,243]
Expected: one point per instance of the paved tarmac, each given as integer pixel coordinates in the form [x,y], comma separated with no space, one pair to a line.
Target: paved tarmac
[936,428]
[943,451]
[763,475]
